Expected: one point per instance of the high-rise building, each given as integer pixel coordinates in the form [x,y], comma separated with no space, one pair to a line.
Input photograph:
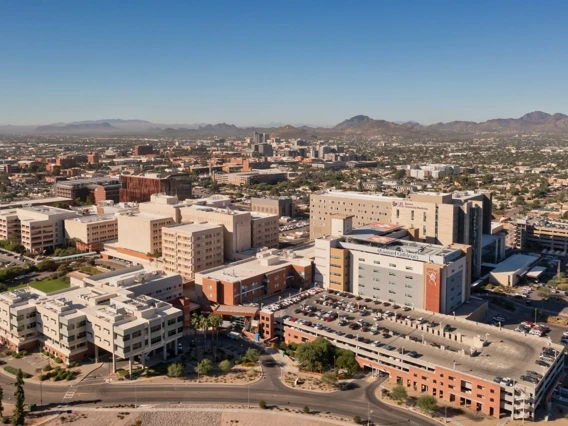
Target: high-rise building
[190,248]
[90,232]
[378,261]
[143,150]
[141,232]
[435,218]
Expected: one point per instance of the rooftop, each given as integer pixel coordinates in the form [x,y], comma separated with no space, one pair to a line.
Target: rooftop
[506,353]
[193,227]
[514,263]
[94,218]
[90,181]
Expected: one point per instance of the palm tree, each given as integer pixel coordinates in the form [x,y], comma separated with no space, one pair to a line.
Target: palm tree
[215,321]
[205,326]
[195,323]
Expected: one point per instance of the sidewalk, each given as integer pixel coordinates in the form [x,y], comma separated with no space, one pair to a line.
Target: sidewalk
[86,370]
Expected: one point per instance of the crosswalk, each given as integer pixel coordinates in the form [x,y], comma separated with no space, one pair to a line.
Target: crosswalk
[70,393]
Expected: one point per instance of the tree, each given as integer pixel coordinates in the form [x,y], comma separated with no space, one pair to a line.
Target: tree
[329,378]
[225,366]
[204,367]
[19,396]
[398,393]
[262,404]
[47,265]
[346,360]
[306,409]
[427,403]
[314,356]
[195,322]
[357,420]
[215,321]
[544,292]
[251,355]
[175,369]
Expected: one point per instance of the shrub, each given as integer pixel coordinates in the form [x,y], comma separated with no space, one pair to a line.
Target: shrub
[306,409]
[47,368]
[6,420]
[357,420]
[58,360]
[262,404]
[398,393]
[176,369]
[225,366]
[427,403]
[14,371]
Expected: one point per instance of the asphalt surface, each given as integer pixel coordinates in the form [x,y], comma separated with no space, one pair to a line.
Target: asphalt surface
[355,401]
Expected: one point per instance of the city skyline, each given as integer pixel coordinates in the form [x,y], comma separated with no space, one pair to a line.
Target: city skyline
[293,63]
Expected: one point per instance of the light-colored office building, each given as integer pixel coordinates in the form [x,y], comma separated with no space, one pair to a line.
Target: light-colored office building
[38,228]
[109,311]
[169,205]
[89,232]
[141,232]
[190,248]
[435,218]
[281,206]
[378,261]
[265,230]
[236,224]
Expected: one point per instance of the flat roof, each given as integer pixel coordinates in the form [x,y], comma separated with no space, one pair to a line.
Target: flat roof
[93,218]
[88,181]
[508,354]
[39,201]
[144,215]
[359,196]
[194,227]
[245,311]
[515,263]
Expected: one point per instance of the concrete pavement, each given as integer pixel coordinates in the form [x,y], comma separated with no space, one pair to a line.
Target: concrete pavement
[355,401]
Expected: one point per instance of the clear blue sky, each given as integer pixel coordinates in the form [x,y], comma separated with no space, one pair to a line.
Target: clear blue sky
[249,62]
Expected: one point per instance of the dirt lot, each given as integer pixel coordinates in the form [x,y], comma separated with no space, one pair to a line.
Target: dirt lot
[192,417]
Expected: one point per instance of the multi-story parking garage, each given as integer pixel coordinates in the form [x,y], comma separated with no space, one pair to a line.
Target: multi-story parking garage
[478,366]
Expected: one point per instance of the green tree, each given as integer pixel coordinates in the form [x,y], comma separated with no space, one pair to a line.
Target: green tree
[427,403]
[47,265]
[175,369]
[314,356]
[204,367]
[346,359]
[19,397]
[251,355]
[195,322]
[398,393]
[225,366]
[215,321]
[544,292]
[329,377]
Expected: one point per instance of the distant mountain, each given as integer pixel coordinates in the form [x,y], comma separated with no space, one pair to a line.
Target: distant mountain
[536,121]
[77,128]
[352,122]
[356,126]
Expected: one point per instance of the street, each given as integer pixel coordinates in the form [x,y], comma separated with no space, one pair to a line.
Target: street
[355,401]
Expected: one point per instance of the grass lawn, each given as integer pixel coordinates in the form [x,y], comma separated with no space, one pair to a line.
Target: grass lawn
[47,286]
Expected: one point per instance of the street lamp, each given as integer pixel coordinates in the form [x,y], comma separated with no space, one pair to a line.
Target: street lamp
[486,335]
[248,392]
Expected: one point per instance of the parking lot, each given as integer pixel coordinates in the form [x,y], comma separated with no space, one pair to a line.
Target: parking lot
[379,330]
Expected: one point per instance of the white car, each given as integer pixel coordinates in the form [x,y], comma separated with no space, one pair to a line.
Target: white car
[565,334]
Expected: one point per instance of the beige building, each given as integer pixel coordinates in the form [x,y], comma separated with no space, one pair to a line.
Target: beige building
[187,249]
[265,230]
[109,311]
[38,228]
[169,205]
[236,224]
[141,232]
[434,218]
[281,206]
[89,232]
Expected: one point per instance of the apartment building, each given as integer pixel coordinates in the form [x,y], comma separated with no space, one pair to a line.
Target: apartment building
[378,261]
[270,272]
[265,230]
[104,314]
[90,232]
[434,218]
[141,232]
[281,206]
[38,228]
[190,248]
[236,226]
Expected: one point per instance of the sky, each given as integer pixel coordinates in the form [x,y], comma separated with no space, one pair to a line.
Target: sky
[298,62]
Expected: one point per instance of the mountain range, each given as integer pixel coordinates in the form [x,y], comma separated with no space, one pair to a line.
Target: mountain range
[356,126]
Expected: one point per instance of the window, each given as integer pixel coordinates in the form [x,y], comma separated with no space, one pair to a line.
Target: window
[408,277]
[408,295]
[392,283]
[376,280]
[392,274]
[412,215]
[376,288]
[361,259]
[408,285]
[397,213]
[409,268]
[424,218]
[392,292]
[361,276]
